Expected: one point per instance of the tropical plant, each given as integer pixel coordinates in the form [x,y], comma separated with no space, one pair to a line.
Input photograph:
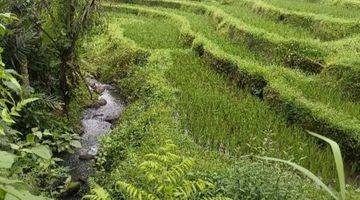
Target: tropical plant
[165,177]
[12,148]
[97,193]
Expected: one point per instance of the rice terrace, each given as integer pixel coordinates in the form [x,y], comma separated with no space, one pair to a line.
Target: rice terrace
[180,99]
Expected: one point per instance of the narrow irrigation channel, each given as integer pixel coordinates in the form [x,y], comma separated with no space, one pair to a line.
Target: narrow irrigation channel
[96,122]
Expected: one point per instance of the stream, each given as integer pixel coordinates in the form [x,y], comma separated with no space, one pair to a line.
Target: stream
[96,122]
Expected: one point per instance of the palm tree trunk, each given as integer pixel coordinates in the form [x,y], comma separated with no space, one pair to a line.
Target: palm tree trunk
[24,70]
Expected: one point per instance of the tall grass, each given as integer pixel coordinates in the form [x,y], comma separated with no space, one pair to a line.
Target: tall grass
[219,116]
[334,10]
[319,88]
[238,10]
[149,32]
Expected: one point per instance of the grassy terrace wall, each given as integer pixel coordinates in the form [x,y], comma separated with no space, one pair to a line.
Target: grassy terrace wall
[343,63]
[324,27]
[348,3]
[306,55]
[270,84]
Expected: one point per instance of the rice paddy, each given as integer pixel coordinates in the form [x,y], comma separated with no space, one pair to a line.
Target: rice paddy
[245,82]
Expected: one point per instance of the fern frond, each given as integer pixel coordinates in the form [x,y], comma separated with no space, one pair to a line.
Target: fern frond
[189,188]
[166,159]
[204,185]
[217,198]
[168,147]
[97,193]
[151,166]
[178,171]
[133,192]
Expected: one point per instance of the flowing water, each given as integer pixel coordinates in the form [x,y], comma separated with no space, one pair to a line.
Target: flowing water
[96,122]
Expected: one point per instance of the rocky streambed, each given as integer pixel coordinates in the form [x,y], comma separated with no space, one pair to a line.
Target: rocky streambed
[96,122]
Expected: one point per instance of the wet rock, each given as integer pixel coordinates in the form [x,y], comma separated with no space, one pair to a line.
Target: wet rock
[99,103]
[98,88]
[86,156]
[80,178]
[81,131]
[72,188]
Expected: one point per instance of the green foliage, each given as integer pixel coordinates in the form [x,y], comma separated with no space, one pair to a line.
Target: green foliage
[150,120]
[260,180]
[288,91]
[219,38]
[17,190]
[323,26]
[97,193]
[164,175]
[20,152]
[339,168]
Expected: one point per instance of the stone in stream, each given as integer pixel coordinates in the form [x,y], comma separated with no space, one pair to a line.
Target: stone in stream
[71,189]
[86,156]
[99,103]
[98,88]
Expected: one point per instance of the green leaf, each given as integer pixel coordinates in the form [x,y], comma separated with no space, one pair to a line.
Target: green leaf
[13,84]
[19,194]
[338,161]
[24,102]
[42,151]
[14,146]
[7,181]
[8,16]
[47,133]
[2,31]
[9,196]
[75,143]
[13,72]
[30,138]
[7,159]
[6,116]
[38,134]
[2,131]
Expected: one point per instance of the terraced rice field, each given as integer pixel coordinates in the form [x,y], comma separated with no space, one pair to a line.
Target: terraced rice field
[252,76]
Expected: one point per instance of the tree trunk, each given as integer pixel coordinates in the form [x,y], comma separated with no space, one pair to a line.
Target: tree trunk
[24,70]
[67,55]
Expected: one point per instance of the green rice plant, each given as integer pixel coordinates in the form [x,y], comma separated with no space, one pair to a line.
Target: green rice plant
[332,10]
[322,26]
[279,91]
[303,54]
[219,116]
[151,119]
[346,3]
[244,12]
[244,45]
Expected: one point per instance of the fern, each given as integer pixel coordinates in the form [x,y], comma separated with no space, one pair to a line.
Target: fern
[178,171]
[165,178]
[97,193]
[217,198]
[133,192]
